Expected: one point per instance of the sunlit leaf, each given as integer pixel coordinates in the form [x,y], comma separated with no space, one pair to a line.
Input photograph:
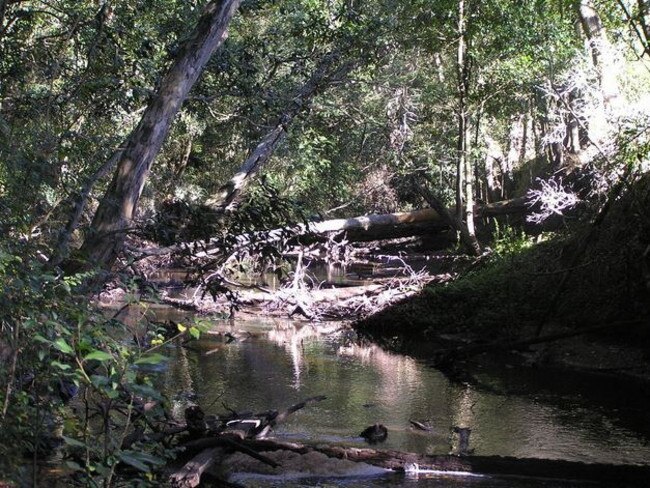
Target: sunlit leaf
[152,359]
[61,366]
[63,346]
[98,356]
[40,338]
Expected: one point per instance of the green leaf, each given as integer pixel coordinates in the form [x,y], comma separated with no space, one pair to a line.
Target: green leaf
[181,328]
[98,356]
[61,366]
[112,394]
[63,346]
[74,466]
[129,458]
[152,359]
[195,333]
[73,442]
[40,338]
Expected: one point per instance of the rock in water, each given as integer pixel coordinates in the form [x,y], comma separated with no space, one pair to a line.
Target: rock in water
[375,433]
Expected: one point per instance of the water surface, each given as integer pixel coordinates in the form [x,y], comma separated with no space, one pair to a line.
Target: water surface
[274,364]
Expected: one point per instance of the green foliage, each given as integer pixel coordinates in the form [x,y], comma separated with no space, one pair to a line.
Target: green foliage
[509,241]
[56,348]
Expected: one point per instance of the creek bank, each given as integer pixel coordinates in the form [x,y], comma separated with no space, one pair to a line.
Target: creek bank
[587,291]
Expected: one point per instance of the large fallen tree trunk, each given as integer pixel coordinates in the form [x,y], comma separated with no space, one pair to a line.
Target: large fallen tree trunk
[382,226]
[364,228]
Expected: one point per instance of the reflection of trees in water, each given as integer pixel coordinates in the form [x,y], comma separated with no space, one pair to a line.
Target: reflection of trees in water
[272,367]
[291,336]
[398,375]
[179,380]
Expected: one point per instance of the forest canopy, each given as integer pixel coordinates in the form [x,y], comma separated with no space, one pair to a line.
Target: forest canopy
[480,98]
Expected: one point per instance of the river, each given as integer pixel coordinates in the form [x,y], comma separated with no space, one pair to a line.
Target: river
[512,412]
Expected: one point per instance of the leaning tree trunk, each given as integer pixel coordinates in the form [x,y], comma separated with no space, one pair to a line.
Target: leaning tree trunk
[326,72]
[117,207]
[468,239]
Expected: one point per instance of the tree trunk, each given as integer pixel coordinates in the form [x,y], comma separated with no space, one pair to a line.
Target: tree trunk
[644,8]
[326,72]
[602,52]
[461,75]
[468,239]
[464,172]
[117,208]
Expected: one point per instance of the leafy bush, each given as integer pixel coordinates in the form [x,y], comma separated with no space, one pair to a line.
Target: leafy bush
[57,351]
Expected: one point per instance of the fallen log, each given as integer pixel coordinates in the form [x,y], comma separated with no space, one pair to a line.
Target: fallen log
[363,228]
[486,465]
[215,443]
[189,475]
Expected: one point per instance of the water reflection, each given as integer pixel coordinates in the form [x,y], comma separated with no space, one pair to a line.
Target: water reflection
[278,363]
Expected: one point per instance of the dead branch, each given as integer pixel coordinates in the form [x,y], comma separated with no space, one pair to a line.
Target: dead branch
[189,475]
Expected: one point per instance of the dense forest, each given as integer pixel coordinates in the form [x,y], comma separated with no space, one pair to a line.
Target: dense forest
[219,135]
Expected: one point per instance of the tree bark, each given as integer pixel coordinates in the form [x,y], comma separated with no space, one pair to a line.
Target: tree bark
[78,204]
[464,172]
[189,475]
[468,239]
[461,74]
[116,210]
[602,52]
[230,193]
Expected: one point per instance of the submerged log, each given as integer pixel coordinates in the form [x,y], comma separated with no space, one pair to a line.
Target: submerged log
[487,465]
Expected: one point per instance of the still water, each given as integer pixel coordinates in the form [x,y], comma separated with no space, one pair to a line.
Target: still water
[275,364]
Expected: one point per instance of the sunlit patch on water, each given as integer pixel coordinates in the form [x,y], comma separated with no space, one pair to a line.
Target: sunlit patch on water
[413,471]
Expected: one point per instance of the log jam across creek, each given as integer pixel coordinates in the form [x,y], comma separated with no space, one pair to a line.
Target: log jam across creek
[248,366]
